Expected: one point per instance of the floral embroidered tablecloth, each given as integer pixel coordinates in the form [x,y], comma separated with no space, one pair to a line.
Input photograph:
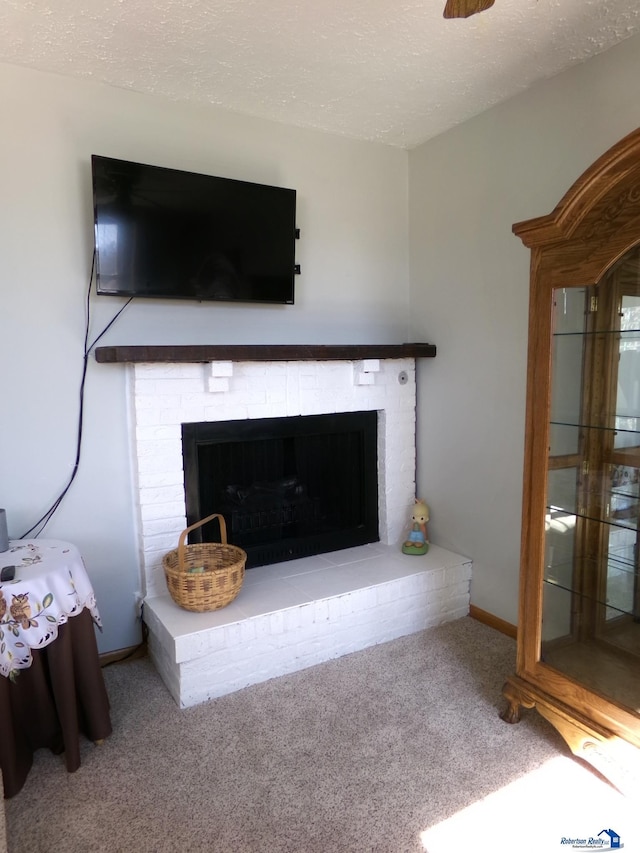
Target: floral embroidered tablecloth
[50,585]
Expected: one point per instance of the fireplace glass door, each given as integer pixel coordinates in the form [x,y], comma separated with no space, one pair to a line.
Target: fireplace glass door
[287,487]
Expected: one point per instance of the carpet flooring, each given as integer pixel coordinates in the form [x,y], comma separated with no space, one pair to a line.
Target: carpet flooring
[395,749]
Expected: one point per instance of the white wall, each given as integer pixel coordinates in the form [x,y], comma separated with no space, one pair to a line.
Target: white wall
[469,290]
[469,295]
[353,214]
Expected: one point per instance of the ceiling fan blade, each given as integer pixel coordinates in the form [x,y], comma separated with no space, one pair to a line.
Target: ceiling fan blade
[465,8]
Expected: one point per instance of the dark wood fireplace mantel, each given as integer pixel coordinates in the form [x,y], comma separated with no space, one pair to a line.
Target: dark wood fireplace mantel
[261,352]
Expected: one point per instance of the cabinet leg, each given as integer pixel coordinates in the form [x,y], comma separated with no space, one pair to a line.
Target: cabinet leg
[511,713]
[516,700]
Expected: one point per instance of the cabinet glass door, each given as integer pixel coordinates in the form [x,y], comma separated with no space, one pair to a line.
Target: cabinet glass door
[591,597]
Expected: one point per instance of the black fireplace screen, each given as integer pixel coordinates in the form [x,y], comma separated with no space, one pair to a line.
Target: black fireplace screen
[287,487]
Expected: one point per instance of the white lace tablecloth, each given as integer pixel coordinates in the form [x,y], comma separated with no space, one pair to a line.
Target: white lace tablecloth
[50,585]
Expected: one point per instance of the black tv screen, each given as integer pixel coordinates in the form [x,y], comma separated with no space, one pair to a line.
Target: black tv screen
[169,234]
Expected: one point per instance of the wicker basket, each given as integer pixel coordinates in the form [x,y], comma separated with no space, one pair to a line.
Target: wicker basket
[206,576]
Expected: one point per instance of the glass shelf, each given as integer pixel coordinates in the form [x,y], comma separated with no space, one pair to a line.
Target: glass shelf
[630,335]
[628,424]
[567,518]
[613,611]
[568,577]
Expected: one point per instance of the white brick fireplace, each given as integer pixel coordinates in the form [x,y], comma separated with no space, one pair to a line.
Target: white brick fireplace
[298,613]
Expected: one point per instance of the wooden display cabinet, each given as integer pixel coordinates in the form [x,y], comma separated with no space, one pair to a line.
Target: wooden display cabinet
[578,658]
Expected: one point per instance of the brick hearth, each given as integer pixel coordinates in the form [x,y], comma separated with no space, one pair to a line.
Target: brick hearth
[293,615]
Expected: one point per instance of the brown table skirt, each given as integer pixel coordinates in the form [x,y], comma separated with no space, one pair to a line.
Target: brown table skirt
[61,695]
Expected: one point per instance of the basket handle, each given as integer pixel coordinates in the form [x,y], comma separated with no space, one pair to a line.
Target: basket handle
[184,534]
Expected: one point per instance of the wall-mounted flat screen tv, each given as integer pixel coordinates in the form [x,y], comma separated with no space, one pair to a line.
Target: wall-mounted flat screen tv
[169,234]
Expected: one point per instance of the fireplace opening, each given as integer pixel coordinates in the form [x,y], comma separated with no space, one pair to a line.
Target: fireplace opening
[287,487]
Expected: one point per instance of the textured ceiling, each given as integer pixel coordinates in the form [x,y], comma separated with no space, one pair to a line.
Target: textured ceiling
[396,72]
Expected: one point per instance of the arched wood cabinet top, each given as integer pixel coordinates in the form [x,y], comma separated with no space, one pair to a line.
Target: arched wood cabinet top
[595,222]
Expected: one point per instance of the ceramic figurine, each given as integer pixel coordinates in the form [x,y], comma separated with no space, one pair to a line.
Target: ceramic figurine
[417,541]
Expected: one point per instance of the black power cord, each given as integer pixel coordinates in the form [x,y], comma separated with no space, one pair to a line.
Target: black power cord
[42,522]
